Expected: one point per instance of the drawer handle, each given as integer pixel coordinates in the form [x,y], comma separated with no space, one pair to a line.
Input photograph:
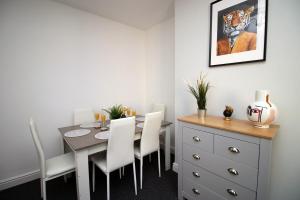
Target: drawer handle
[233,150]
[196,191]
[196,139]
[233,171]
[232,192]
[196,174]
[196,156]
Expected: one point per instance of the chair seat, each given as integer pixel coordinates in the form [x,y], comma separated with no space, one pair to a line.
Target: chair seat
[100,160]
[60,164]
[137,151]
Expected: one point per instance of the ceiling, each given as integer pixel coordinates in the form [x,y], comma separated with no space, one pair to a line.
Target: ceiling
[141,14]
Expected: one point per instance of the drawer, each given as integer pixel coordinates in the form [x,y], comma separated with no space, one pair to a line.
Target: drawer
[198,192]
[214,183]
[245,175]
[186,196]
[237,150]
[198,139]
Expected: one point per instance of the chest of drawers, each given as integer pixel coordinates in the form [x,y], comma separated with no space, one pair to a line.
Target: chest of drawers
[223,160]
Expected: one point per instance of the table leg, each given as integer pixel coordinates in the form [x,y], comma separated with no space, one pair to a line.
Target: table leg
[167,148]
[82,175]
[66,147]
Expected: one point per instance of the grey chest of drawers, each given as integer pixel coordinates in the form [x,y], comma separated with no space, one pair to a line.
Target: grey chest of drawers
[223,160]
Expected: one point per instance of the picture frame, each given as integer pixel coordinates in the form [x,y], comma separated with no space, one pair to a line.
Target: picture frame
[238,32]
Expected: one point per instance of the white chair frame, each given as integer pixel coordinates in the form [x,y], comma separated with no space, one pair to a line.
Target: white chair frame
[149,141]
[159,108]
[43,162]
[120,150]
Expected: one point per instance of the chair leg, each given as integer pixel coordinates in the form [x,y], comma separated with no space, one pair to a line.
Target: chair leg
[123,171]
[150,158]
[107,183]
[65,178]
[141,172]
[44,190]
[120,173]
[158,157]
[93,177]
[134,176]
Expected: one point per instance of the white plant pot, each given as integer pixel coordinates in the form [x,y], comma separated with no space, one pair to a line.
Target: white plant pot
[262,112]
[201,113]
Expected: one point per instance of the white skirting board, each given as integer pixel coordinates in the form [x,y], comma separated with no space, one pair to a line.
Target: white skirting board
[20,179]
[175,167]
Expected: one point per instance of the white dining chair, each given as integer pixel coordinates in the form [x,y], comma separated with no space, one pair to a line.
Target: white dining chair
[149,141]
[83,116]
[159,108]
[53,167]
[120,150]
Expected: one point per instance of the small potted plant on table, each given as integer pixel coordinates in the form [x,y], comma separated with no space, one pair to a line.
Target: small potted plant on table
[115,112]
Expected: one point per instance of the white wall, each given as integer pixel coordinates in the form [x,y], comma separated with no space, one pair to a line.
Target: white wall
[160,68]
[53,59]
[236,85]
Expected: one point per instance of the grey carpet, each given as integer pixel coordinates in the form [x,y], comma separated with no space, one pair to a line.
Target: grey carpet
[154,188]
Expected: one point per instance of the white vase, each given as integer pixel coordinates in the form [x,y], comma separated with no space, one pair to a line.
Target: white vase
[262,112]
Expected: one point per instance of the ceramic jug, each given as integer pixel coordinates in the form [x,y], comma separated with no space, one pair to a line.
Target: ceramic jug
[262,112]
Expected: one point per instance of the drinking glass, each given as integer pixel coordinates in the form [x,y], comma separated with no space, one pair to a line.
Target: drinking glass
[128,112]
[97,116]
[103,120]
[133,113]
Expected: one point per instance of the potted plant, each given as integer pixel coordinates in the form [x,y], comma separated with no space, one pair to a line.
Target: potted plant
[115,112]
[199,91]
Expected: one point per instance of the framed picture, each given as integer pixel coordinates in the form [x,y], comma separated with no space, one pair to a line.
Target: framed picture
[237,31]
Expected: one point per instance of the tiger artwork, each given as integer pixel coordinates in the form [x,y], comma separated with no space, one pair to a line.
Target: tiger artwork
[237,39]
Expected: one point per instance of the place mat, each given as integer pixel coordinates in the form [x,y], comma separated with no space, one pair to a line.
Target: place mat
[104,128]
[140,125]
[77,133]
[90,125]
[141,119]
[102,135]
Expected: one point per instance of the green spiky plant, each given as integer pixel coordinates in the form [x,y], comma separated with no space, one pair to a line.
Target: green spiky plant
[115,112]
[200,91]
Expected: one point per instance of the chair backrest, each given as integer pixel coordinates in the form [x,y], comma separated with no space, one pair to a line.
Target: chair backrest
[38,145]
[120,147]
[150,135]
[83,116]
[159,108]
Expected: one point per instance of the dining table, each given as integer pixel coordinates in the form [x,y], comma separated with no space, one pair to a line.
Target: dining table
[86,145]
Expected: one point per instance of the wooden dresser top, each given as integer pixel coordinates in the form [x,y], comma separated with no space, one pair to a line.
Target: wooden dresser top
[235,125]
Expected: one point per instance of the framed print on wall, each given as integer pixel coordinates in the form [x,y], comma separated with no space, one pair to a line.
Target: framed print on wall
[237,31]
